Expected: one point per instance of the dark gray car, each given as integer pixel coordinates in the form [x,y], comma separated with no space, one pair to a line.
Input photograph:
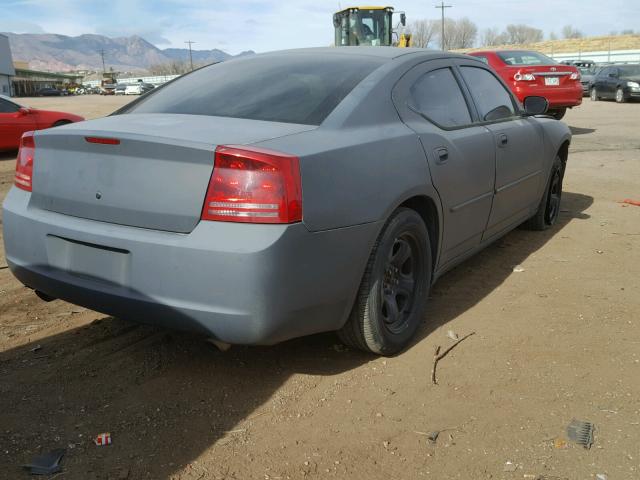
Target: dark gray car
[618,82]
[284,194]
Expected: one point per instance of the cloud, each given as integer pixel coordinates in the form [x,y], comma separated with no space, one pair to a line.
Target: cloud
[20,26]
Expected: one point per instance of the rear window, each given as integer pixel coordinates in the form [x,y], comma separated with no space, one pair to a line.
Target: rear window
[279,88]
[517,57]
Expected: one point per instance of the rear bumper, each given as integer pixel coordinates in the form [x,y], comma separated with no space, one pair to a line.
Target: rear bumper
[556,96]
[240,283]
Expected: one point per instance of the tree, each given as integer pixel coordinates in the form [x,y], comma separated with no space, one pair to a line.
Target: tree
[176,67]
[491,37]
[423,32]
[628,31]
[553,36]
[466,33]
[459,33]
[520,34]
[569,32]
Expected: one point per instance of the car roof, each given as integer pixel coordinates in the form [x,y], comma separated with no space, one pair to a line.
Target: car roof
[380,52]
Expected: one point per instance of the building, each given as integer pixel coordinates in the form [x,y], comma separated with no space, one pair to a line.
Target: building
[6,66]
[27,82]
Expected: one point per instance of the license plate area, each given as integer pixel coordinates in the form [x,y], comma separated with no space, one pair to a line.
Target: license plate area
[87,260]
[552,81]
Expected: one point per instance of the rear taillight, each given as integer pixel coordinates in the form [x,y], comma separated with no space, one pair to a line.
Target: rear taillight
[575,76]
[24,162]
[254,185]
[524,77]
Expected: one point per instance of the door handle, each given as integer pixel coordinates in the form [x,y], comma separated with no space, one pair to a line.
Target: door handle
[503,140]
[442,155]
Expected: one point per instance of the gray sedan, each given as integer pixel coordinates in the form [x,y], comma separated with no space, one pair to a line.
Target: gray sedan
[285,194]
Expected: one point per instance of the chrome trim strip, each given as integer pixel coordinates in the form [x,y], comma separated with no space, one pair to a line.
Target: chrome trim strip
[466,203]
[516,182]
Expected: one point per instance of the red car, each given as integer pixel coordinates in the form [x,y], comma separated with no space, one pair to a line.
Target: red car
[16,119]
[530,73]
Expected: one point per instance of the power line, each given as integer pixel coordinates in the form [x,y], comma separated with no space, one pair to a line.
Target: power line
[102,55]
[190,56]
[442,6]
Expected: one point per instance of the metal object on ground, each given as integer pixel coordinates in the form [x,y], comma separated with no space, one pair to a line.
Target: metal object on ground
[581,432]
[47,463]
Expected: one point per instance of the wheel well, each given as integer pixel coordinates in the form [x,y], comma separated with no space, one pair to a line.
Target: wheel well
[426,207]
[563,153]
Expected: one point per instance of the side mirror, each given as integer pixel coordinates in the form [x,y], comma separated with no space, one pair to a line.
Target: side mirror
[535,105]
[403,19]
[23,111]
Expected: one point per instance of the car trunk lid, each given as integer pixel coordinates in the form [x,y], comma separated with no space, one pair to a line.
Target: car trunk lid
[154,174]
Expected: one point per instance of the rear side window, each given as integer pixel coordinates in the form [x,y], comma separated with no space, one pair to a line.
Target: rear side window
[280,88]
[491,98]
[437,96]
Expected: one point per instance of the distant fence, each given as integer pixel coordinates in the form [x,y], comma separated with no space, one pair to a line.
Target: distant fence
[155,80]
[602,56]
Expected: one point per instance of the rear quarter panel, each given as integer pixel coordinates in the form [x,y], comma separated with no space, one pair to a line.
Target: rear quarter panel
[357,175]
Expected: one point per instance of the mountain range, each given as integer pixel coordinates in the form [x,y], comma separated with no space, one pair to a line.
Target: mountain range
[53,52]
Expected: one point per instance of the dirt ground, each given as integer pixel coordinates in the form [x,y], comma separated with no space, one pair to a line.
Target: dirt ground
[557,341]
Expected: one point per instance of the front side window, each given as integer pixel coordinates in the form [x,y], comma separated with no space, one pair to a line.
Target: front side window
[437,96]
[493,100]
[278,88]
[629,71]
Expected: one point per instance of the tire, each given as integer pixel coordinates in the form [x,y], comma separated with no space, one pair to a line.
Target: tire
[620,98]
[549,207]
[593,94]
[386,315]
[558,113]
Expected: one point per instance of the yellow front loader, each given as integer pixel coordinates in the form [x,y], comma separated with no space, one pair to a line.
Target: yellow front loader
[373,26]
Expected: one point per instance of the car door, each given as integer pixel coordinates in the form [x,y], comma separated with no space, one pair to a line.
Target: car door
[519,153]
[612,81]
[13,123]
[460,154]
[603,82]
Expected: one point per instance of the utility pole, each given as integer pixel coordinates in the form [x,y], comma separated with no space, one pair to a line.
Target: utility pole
[102,55]
[442,6]
[190,56]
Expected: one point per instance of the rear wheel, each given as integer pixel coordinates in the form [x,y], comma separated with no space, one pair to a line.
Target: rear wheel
[593,94]
[620,98]
[549,207]
[394,289]
[558,113]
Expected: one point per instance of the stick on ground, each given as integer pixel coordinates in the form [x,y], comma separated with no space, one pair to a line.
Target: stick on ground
[437,356]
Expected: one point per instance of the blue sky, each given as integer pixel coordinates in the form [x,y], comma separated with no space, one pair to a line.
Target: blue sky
[264,25]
